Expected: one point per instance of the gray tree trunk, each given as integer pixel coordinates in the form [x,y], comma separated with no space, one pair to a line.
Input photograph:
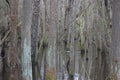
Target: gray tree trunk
[26,40]
[116,37]
[13,40]
[34,35]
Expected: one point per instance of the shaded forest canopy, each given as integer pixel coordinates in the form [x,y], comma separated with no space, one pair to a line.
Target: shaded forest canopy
[59,40]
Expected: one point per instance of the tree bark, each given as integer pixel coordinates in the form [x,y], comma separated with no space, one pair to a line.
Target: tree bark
[116,37]
[26,40]
[13,41]
[34,35]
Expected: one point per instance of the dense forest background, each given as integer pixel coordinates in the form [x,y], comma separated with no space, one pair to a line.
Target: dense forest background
[59,40]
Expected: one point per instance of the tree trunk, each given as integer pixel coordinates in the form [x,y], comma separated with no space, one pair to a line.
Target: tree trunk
[34,35]
[26,40]
[116,37]
[13,41]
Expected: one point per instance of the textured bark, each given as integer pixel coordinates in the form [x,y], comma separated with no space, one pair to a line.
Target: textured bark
[1,66]
[52,32]
[52,24]
[34,35]
[76,37]
[13,41]
[59,40]
[71,35]
[116,37]
[26,40]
